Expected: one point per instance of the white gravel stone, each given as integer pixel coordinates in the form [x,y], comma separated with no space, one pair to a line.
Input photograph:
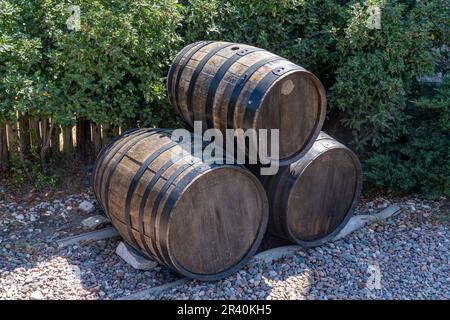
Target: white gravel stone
[130,256]
[86,206]
[94,221]
[36,295]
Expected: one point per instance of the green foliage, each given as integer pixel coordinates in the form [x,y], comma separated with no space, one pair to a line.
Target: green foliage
[302,31]
[420,160]
[44,181]
[109,71]
[377,69]
[200,20]
[40,180]
[20,58]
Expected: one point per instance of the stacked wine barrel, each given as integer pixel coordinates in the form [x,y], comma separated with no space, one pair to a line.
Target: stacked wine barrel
[205,220]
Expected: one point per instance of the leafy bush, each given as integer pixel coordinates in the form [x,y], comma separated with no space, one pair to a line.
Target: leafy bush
[200,20]
[114,68]
[302,31]
[377,69]
[20,62]
[109,71]
[420,160]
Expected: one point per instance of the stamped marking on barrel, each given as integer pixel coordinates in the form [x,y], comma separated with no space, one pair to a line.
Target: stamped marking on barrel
[287,87]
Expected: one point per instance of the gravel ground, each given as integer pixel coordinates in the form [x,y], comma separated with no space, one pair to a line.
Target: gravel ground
[406,257]
[33,267]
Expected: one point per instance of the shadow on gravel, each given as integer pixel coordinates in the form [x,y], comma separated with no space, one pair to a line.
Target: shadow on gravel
[33,266]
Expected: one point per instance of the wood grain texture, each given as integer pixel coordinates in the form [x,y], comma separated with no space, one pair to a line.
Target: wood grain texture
[201,220]
[312,199]
[237,86]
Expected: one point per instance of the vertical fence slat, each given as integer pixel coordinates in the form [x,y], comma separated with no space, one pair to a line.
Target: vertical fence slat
[17,147]
[115,131]
[106,134]
[36,139]
[9,132]
[4,154]
[44,128]
[55,139]
[83,137]
[24,133]
[67,141]
[96,139]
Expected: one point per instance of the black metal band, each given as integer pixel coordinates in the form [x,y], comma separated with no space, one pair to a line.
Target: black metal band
[102,152]
[99,159]
[261,89]
[148,132]
[170,202]
[172,68]
[195,75]
[218,78]
[240,85]
[144,199]
[158,199]
[143,202]
[108,158]
[134,183]
[182,66]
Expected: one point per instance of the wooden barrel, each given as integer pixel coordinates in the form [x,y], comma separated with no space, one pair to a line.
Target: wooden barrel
[312,199]
[237,86]
[203,221]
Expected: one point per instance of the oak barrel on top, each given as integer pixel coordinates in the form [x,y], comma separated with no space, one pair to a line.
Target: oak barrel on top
[312,199]
[237,86]
[203,221]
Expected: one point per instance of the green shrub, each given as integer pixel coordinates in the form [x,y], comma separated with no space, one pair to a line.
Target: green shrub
[20,62]
[420,160]
[302,31]
[377,70]
[109,71]
[200,20]
[114,67]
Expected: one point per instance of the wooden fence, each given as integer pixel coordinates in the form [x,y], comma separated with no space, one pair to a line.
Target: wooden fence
[39,137]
